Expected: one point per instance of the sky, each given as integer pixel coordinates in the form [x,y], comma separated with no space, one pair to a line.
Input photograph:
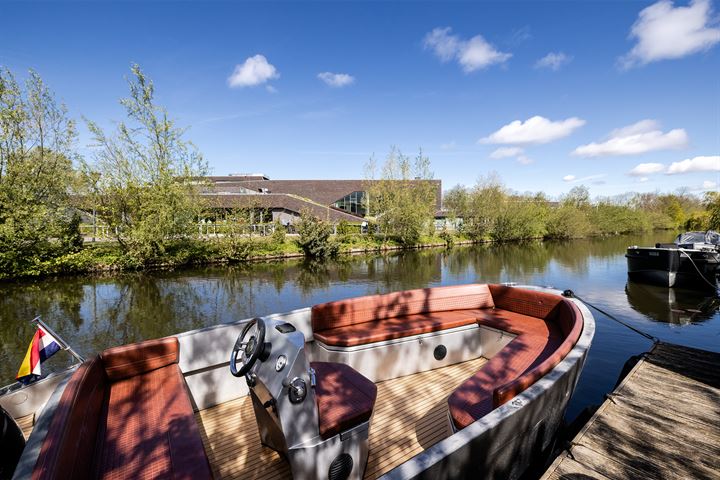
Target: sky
[617,96]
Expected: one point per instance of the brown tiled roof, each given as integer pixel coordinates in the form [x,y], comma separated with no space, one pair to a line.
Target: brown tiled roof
[325,192]
[281,201]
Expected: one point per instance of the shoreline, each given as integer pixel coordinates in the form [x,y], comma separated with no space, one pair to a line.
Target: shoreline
[104,258]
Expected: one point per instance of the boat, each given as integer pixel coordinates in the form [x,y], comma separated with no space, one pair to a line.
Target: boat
[691,261]
[443,382]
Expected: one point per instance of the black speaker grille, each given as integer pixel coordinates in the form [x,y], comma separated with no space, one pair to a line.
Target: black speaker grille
[440,352]
[341,467]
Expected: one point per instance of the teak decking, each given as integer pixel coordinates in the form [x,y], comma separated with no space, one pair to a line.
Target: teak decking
[660,422]
[410,416]
[26,424]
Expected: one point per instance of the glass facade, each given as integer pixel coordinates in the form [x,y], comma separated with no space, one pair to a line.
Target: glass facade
[352,203]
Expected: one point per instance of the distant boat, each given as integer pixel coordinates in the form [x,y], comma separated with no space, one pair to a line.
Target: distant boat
[691,261]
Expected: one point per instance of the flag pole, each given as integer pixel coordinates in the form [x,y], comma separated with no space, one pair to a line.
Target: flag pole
[59,339]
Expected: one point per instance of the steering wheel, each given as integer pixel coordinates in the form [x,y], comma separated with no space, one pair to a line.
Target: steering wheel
[250,350]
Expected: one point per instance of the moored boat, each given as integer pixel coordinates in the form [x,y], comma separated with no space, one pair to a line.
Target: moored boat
[444,382]
[691,261]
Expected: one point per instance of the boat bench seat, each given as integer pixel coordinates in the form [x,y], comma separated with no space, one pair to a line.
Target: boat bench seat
[376,318]
[125,413]
[547,327]
[345,398]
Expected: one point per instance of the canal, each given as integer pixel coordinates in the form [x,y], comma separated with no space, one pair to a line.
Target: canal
[93,313]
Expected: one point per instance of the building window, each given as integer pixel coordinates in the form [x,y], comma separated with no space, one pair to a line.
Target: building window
[352,203]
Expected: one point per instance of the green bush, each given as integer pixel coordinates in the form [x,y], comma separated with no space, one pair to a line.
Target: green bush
[314,237]
[279,232]
[447,237]
[567,222]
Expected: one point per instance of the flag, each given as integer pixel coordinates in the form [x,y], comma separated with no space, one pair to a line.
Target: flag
[42,347]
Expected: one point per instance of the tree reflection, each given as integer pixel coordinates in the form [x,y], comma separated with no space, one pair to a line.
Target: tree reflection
[93,313]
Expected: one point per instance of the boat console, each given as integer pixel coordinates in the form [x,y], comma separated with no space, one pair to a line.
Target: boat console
[315,414]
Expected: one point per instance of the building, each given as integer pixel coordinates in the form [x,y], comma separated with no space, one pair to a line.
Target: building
[285,200]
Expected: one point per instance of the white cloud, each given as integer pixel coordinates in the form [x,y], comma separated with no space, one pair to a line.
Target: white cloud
[254,71]
[709,185]
[665,32]
[270,89]
[643,179]
[524,160]
[697,164]
[448,146]
[443,45]
[477,54]
[641,137]
[505,152]
[553,61]
[534,130]
[646,169]
[471,55]
[336,79]
[596,178]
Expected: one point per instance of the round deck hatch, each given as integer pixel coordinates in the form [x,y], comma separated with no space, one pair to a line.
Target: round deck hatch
[440,352]
[341,467]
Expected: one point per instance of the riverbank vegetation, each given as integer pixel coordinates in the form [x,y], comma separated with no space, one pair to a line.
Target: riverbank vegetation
[142,184]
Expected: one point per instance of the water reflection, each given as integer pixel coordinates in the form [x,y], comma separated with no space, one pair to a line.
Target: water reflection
[93,313]
[670,305]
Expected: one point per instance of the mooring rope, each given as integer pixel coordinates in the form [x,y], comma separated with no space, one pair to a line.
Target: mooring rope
[696,268]
[570,294]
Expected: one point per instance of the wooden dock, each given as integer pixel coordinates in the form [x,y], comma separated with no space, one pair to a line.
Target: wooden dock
[662,421]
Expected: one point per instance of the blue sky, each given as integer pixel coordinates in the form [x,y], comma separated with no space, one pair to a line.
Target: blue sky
[624,87]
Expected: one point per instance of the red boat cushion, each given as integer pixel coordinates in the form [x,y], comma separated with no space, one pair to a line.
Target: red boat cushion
[137,358]
[569,316]
[67,449]
[139,426]
[547,326]
[392,328]
[353,311]
[151,430]
[527,302]
[539,346]
[344,397]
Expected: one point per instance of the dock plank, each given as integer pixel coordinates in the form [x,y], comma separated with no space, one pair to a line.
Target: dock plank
[662,421]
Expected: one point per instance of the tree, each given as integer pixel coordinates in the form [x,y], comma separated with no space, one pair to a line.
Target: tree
[712,203]
[486,197]
[148,188]
[456,200]
[578,197]
[403,199]
[36,173]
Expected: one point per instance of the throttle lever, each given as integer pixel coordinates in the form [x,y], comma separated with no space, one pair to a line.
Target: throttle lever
[297,389]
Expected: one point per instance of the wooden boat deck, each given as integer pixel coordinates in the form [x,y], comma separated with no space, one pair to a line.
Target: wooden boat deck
[660,422]
[410,416]
[26,424]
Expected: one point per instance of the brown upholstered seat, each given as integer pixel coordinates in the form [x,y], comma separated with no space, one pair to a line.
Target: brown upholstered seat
[363,320]
[344,397]
[542,342]
[393,328]
[546,328]
[125,414]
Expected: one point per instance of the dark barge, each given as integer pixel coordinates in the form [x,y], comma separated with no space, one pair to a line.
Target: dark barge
[691,261]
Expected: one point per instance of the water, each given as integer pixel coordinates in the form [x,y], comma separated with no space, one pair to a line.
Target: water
[93,313]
